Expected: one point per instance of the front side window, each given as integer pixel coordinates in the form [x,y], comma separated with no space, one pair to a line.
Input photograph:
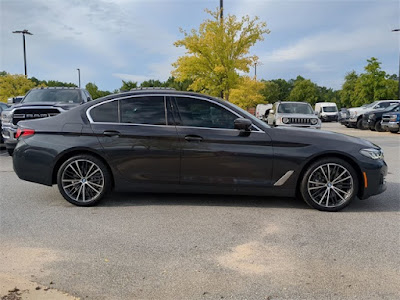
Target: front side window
[107,112]
[143,110]
[202,113]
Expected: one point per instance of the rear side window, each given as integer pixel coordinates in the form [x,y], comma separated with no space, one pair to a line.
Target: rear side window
[107,112]
[202,113]
[143,110]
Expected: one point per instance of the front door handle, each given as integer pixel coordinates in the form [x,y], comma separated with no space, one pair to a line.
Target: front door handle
[193,138]
[111,133]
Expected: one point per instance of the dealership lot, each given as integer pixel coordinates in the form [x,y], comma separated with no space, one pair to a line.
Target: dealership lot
[149,246]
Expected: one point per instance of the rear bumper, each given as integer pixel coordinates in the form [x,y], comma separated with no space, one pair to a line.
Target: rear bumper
[31,165]
[374,182]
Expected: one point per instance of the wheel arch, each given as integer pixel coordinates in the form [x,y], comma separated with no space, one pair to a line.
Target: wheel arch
[73,152]
[345,157]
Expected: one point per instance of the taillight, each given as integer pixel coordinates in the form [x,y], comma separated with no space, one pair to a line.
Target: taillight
[24,132]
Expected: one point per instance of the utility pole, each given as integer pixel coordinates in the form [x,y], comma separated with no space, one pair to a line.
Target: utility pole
[394,30]
[25,31]
[79,77]
[255,68]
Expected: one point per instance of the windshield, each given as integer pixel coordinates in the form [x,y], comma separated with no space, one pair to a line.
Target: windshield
[391,107]
[329,109]
[295,108]
[370,105]
[50,95]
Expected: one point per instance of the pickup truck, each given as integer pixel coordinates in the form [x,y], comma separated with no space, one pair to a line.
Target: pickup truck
[39,103]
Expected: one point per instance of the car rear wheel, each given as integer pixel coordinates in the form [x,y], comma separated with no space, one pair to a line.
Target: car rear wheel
[378,126]
[360,124]
[83,180]
[329,184]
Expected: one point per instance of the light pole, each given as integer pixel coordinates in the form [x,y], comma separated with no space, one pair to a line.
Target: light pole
[79,77]
[255,68]
[221,8]
[394,30]
[25,31]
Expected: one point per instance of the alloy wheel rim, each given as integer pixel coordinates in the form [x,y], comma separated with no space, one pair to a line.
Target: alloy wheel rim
[330,185]
[82,180]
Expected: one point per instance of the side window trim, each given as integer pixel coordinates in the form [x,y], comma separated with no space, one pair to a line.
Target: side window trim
[163,95]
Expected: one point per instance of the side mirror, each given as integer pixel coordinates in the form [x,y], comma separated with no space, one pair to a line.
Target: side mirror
[244,125]
[271,111]
[88,99]
[316,113]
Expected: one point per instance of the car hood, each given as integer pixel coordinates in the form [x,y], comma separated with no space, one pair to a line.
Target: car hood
[320,138]
[297,115]
[65,106]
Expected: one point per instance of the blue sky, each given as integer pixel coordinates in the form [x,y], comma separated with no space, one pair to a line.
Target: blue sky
[111,40]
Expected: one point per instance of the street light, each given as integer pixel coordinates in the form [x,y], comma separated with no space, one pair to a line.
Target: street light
[79,77]
[25,31]
[394,30]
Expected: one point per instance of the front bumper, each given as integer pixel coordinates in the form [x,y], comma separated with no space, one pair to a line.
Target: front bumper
[8,132]
[329,118]
[374,181]
[393,125]
[318,126]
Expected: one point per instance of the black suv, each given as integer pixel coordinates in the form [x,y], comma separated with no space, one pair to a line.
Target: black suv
[39,103]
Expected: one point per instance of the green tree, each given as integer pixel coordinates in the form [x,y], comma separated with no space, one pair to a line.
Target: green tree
[217,51]
[178,85]
[95,92]
[270,91]
[348,89]
[285,87]
[247,94]
[371,85]
[152,83]
[304,90]
[128,85]
[14,85]
[52,83]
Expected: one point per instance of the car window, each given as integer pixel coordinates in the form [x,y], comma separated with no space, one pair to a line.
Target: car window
[107,112]
[295,108]
[53,95]
[202,113]
[143,110]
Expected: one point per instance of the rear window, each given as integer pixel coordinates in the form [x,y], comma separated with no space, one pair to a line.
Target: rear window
[107,112]
[53,95]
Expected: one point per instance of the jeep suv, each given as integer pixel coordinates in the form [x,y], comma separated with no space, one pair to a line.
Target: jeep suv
[293,114]
[39,103]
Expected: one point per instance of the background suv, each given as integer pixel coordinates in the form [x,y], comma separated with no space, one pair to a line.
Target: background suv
[39,103]
[356,113]
[297,114]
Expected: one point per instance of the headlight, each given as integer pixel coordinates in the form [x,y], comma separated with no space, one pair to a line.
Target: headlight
[372,153]
[353,114]
[393,118]
[314,121]
[6,116]
[285,120]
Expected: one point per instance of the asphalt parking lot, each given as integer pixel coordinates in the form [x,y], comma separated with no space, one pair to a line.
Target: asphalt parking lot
[149,246]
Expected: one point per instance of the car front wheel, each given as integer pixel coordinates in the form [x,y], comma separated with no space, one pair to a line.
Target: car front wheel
[329,184]
[83,180]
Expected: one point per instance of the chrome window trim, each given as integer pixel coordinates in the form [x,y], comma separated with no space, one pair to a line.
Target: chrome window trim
[163,95]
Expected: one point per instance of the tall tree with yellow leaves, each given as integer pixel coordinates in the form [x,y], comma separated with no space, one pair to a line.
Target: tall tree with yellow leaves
[217,51]
[247,94]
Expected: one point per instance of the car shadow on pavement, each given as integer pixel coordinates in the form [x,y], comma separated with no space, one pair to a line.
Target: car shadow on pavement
[144,199]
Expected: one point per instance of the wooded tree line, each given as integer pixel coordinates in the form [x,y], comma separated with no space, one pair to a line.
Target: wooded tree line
[217,53]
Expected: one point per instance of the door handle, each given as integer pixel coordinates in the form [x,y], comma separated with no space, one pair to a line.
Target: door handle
[111,133]
[193,138]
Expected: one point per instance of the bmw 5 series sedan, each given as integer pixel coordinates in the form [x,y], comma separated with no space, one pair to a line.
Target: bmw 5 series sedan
[168,141]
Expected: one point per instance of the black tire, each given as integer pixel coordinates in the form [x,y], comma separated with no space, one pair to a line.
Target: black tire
[378,126]
[84,186]
[393,130]
[10,151]
[314,188]
[359,124]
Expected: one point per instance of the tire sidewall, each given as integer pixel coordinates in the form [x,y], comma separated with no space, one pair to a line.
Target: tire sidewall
[103,168]
[303,185]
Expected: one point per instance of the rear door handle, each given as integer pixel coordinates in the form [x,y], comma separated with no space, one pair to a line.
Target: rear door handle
[193,138]
[111,133]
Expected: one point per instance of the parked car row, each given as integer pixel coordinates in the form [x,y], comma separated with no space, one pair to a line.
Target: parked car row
[39,103]
[378,116]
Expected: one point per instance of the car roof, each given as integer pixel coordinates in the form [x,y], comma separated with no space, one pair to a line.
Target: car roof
[57,88]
